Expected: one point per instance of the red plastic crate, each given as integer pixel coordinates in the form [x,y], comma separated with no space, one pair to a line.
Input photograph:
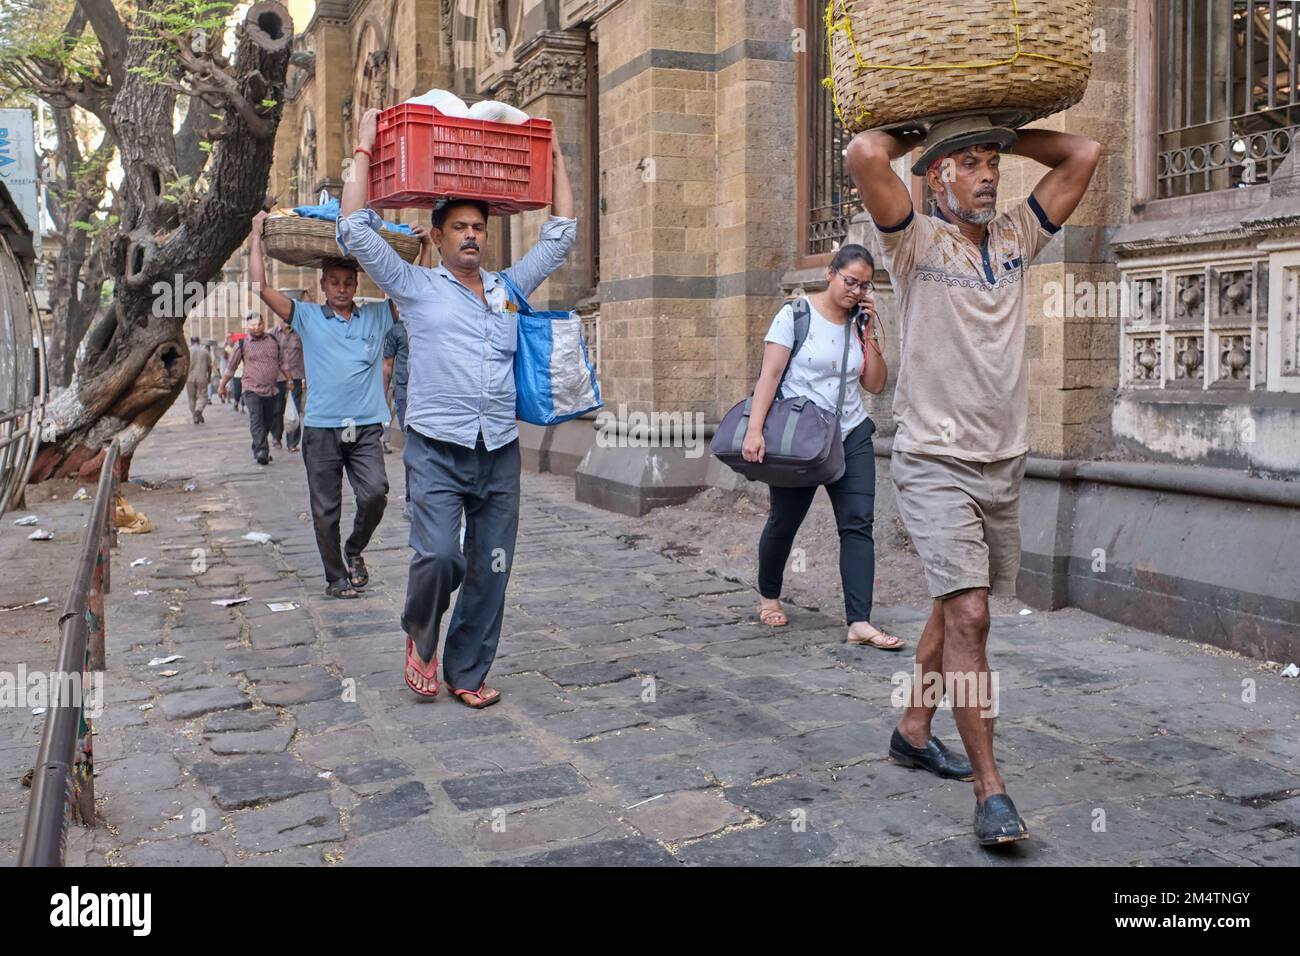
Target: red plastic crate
[422,155]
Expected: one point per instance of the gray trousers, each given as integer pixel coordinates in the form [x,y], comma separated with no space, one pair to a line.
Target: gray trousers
[444,479]
[326,456]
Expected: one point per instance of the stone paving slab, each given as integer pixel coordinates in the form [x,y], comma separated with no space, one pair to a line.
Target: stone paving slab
[646,718]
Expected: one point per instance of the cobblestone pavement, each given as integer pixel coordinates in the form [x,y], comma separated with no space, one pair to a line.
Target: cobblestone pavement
[289,737]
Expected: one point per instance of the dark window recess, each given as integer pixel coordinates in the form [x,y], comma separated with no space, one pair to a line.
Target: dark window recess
[1228,110]
[832,198]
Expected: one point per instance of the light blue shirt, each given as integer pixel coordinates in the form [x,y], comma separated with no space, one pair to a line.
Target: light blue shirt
[462,352]
[345,370]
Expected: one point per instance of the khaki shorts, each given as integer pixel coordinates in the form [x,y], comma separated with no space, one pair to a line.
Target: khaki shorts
[963,517]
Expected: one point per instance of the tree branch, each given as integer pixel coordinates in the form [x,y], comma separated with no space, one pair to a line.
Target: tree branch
[111,34]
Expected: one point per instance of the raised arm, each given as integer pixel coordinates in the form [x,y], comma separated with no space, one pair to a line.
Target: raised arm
[357,231]
[561,189]
[275,300]
[557,234]
[885,195]
[1073,160]
[426,245]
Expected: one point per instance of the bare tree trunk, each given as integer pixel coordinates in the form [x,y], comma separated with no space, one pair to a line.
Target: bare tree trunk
[133,362]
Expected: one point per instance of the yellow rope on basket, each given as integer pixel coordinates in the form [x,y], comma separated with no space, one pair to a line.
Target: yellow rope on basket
[844,25]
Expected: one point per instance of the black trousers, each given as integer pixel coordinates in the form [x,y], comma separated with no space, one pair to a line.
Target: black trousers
[446,479]
[399,403]
[853,497]
[261,410]
[277,423]
[326,456]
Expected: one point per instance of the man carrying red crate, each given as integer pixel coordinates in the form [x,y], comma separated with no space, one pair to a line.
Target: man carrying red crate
[462,440]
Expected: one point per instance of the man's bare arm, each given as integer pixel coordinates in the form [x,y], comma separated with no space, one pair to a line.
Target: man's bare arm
[356,189]
[561,189]
[276,301]
[1073,160]
[885,195]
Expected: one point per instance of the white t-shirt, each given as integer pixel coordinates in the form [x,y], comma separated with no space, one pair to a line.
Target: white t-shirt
[815,371]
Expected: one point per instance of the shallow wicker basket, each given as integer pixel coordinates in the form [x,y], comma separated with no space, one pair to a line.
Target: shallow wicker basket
[300,241]
[1014,60]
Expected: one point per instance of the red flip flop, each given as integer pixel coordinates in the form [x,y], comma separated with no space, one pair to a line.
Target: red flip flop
[478,699]
[428,672]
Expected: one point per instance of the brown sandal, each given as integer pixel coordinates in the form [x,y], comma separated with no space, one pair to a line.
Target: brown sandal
[773,616]
[875,641]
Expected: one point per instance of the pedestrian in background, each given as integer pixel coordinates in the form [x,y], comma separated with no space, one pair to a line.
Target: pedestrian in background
[290,385]
[237,388]
[396,350]
[259,354]
[196,385]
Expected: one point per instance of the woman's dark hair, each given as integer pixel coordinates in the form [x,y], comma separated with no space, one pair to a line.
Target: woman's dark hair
[440,213]
[851,253]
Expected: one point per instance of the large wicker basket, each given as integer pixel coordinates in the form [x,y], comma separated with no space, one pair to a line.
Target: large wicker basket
[1013,60]
[300,241]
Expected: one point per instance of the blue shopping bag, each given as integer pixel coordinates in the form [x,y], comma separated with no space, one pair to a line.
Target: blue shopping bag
[554,380]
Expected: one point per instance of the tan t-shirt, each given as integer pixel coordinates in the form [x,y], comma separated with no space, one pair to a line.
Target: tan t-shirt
[962,380]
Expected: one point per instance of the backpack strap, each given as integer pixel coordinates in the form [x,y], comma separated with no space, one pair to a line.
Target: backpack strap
[802,321]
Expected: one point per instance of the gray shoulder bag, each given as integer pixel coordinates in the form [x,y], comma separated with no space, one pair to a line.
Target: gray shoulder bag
[802,439]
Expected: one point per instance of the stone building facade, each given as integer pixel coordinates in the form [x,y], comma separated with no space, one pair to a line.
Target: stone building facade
[1163,340]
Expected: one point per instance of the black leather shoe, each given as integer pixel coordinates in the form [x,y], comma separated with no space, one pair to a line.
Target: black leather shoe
[997,821]
[934,757]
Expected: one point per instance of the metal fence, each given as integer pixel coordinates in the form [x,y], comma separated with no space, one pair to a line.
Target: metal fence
[63,784]
[1228,111]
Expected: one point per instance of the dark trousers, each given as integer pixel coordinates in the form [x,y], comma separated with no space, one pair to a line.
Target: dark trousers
[446,479]
[236,391]
[326,456]
[261,410]
[399,403]
[853,497]
[277,423]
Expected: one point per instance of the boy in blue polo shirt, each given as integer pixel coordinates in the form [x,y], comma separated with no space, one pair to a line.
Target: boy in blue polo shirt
[342,347]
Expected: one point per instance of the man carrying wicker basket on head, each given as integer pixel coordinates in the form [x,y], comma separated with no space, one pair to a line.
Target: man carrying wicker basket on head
[962,411]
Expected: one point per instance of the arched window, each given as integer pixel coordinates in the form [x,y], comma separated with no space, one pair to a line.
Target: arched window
[370,75]
[306,160]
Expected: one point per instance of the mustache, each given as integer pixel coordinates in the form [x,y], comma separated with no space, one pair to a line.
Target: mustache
[987,191]
[468,244]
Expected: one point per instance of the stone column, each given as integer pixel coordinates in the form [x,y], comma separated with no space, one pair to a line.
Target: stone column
[696,109]
[550,81]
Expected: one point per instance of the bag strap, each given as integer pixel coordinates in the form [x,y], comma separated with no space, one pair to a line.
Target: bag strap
[516,294]
[802,320]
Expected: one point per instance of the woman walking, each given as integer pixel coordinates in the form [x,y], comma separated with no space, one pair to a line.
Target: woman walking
[846,307]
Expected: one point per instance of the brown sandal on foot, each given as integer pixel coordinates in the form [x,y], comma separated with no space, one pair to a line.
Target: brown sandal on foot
[773,616]
[890,642]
